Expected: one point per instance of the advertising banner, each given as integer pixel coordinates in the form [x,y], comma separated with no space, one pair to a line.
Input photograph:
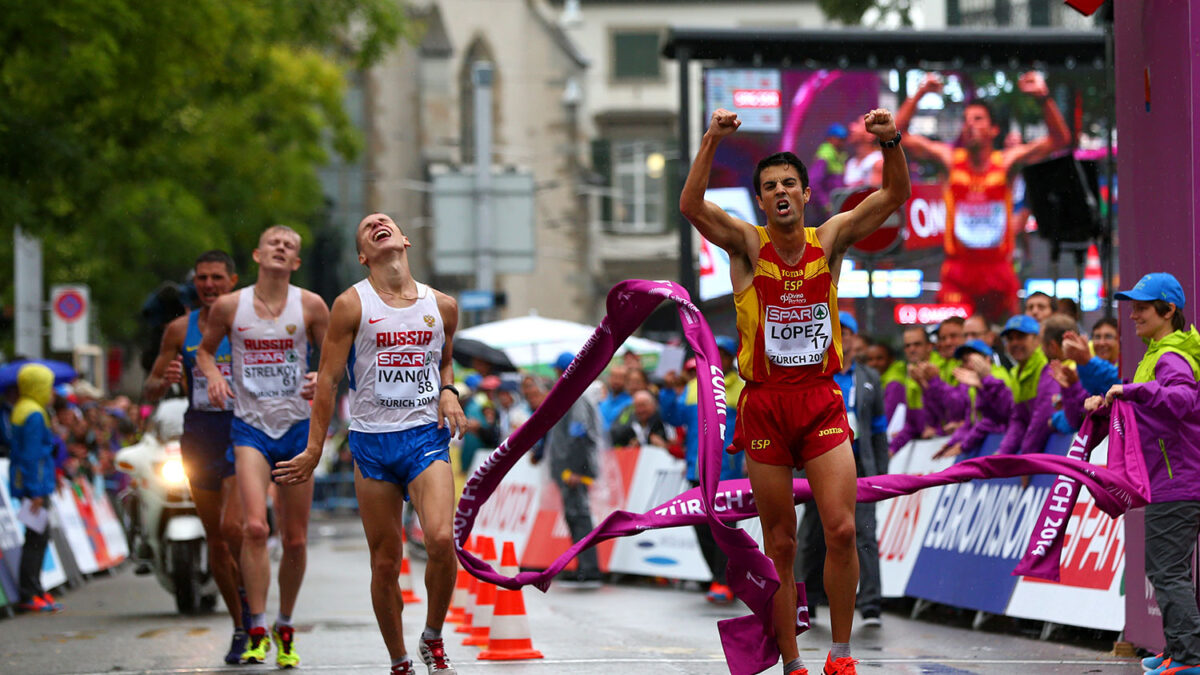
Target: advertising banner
[670,553]
[73,529]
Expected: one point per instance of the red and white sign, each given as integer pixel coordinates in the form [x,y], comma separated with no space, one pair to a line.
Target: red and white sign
[401,360]
[881,240]
[1092,571]
[757,98]
[263,358]
[69,305]
[910,313]
[926,217]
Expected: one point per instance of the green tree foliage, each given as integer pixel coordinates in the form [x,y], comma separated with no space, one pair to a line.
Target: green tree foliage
[135,134]
[851,12]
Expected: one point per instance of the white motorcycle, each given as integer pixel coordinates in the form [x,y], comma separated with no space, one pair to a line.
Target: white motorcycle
[159,502]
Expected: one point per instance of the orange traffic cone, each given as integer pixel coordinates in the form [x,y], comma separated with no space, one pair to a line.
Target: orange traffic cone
[508,636]
[406,583]
[472,592]
[1092,268]
[462,592]
[485,601]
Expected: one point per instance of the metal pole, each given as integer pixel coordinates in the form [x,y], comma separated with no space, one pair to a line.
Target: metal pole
[27,289]
[870,313]
[687,267]
[1106,239]
[481,77]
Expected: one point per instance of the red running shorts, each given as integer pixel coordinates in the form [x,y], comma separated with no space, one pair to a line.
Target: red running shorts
[789,425]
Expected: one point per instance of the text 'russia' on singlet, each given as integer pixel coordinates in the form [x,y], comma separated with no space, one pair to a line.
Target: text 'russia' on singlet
[197,384]
[270,359]
[787,319]
[395,363]
[978,208]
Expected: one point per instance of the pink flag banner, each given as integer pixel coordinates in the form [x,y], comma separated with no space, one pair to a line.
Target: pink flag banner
[749,641]
[1043,555]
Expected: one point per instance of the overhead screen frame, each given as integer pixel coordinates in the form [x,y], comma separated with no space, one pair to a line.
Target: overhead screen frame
[1014,49]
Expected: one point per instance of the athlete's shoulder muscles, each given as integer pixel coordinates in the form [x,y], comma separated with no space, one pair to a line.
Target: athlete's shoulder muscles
[316,315]
[169,347]
[174,336]
[219,322]
[343,320]
[448,307]
[346,314]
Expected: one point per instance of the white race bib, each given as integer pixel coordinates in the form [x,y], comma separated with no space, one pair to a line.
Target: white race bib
[404,379]
[797,336]
[980,224]
[271,373]
[200,388]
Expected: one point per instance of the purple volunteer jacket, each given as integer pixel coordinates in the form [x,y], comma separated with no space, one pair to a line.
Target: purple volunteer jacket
[993,409]
[946,403]
[1029,428]
[893,396]
[1072,404]
[915,422]
[1167,410]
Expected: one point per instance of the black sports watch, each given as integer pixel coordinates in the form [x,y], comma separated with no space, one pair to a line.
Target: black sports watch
[892,143]
[449,387]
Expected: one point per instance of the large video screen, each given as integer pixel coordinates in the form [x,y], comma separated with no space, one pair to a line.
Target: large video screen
[817,115]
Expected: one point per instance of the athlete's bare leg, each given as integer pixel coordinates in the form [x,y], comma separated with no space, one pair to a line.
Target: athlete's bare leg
[293,503]
[772,487]
[835,492]
[432,495]
[380,505]
[254,474]
[221,558]
[233,519]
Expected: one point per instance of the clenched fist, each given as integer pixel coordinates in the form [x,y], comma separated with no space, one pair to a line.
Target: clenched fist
[723,123]
[880,123]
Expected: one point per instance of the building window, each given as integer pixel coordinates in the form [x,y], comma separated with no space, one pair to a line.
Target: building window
[639,185]
[636,55]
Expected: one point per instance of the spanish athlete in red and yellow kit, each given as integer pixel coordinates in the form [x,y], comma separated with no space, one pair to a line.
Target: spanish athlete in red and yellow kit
[791,413]
[980,229]
[791,410]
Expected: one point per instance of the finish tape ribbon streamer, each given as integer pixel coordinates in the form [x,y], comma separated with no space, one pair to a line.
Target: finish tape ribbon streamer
[748,641]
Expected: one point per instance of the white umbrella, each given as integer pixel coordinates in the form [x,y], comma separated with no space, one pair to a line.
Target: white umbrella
[535,340]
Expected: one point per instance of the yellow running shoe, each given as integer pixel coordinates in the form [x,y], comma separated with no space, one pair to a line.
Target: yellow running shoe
[285,649]
[256,647]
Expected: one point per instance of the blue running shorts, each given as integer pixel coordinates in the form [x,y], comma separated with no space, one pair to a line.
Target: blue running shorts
[275,450]
[400,456]
[205,448]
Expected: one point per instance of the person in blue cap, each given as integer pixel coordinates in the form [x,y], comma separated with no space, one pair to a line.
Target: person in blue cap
[990,399]
[863,395]
[1034,388]
[1165,400]
[826,172]
[571,449]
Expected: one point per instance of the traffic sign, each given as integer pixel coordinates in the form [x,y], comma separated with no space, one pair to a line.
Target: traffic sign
[884,239]
[474,300]
[69,309]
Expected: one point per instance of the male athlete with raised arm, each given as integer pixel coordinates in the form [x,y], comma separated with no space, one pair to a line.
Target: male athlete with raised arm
[791,413]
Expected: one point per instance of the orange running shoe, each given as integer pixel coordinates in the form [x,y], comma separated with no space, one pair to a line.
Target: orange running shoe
[842,666]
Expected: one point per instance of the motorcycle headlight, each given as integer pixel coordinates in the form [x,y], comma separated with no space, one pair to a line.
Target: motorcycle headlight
[172,472]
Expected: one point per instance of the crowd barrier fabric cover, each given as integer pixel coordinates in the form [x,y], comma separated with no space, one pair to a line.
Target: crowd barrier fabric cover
[749,641]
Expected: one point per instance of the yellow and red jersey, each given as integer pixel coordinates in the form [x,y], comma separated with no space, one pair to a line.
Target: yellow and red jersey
[978,209]
[787,319]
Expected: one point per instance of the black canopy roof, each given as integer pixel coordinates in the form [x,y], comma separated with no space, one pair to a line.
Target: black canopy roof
[859,48]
